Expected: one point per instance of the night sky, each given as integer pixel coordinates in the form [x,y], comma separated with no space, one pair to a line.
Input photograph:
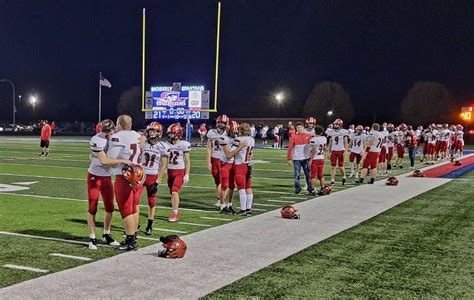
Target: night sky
[375,49]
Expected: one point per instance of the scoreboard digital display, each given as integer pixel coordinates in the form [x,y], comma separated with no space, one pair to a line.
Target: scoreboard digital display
[178,114]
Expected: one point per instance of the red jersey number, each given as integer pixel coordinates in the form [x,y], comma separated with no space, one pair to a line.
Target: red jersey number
[174,157]
[135,149]
[149,160]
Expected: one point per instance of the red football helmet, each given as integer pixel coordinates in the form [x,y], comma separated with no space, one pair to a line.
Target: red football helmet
[359,128]
[458,163]
[392,181]
[338,123]
[459,127]
[134,174]
[326,190]
[418,173]
[222,121]
[154,131]
[174,247]
[175,131]
[311,121]
[403,126]
[452,127]
[289,212]
[233,128]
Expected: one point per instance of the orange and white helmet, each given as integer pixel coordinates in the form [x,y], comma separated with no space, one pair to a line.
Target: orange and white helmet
[222,121]
[289,212]
[154,132]
[106,126]
[174,247]
[459,127]
[134,174]
[175,131]
[338,123]
[233,129]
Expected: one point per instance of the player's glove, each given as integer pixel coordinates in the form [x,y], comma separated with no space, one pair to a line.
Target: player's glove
[153,188]
[186,179]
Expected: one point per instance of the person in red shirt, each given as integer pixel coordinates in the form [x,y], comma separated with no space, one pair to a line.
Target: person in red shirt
[291,131]
[410,143]
[53,127]
[298,156]
[45,138]
[98,128]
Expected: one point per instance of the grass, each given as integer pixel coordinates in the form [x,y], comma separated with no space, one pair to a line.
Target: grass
[56,205]
[421,248]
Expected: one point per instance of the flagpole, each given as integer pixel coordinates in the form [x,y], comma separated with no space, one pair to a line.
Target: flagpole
[100,96]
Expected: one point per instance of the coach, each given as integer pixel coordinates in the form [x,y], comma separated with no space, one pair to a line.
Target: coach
[298,155]
[45,138]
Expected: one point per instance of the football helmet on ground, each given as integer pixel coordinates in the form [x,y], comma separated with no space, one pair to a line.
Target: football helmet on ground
[174,247]
[289,212]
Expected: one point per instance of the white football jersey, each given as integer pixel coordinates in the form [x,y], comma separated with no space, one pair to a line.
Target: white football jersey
[243,156]
[152,155]
[98,144]
[459,135]
[125,145]
[377,138]
[385,138]
[391,139]
[232,143]
[176,160]
[358,141]
[318,142]
[337,137]
[310,131]
[430,137]
[216,150]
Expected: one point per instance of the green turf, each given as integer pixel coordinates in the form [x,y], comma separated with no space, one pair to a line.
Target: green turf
[56,206]
[421,248]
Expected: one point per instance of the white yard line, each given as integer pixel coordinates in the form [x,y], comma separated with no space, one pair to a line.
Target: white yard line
[281,201]
[71,256]
[195,224]
[169,230]
[218,219]
[266,205]
[47,238]
[17,267]
[296,198]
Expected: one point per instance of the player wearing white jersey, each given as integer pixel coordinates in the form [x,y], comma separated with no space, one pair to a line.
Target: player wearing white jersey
[374,146]
[318,147]
[179,166]
[99,182]
[459,142]
[356,146]
[338,145]
[155,162]
[215,152]
[243,170]
[126,144]
[230,147]
[390,145]
[382,160]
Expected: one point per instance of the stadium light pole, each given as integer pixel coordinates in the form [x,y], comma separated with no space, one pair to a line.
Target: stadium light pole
[13,97]
[33,101]
[279,97]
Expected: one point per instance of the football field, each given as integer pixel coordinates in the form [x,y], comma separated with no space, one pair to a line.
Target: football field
[43,204]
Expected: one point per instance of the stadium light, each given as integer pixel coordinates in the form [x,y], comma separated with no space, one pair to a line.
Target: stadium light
[279,97]
[330,113]
[33,101]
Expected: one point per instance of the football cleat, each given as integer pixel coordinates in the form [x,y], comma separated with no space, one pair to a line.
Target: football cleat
[231,210]
[109,240]
[130,243]
[249,212]
[343,181]
[241,213]
[224,210]
[92,244]
[174,217]
[148,230]
[351,175]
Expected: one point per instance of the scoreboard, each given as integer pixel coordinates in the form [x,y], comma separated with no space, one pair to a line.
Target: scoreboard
[167,102]
[466,113]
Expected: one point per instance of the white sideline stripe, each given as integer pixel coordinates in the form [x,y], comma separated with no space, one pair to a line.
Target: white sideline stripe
[147,238]
[212,218]
[10,266]
[296,198]
[47,238]
[71,256]
[169,230]
[281,201]
[83,179]
[269,205]
[25,183]
[195,224]
[82,200]
[259,209]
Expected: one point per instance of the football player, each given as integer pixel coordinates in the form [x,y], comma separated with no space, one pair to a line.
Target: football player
[372,151]
[310,125]
[391,138]
[99,182]
[338,146]
[316,161]
[382,160]
[410,143]
[459,143]
[357,146]
[445,135]
[400,144]
[126,144]
[179,166]
[230,148]
[155,162]
[215,152]
[276,137]
[242,169]
[452,141]
[430,140]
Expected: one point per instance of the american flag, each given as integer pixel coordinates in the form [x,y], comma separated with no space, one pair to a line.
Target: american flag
[104,82]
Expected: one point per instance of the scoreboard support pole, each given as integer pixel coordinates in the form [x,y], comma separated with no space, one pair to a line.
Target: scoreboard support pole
[143,60]
[217,54]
